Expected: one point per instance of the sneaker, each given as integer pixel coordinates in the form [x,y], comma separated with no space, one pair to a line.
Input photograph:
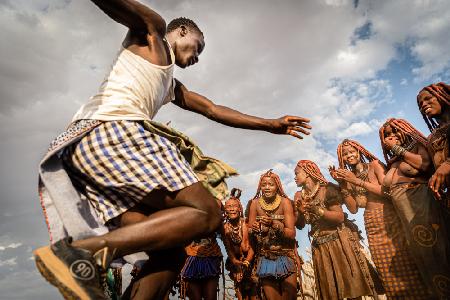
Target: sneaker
[72,270]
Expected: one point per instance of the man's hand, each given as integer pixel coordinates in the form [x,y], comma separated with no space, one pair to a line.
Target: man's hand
[290,125]
[438,179]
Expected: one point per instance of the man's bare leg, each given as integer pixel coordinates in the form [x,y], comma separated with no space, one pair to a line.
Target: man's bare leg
[160,272]
[183,216]
[158,275]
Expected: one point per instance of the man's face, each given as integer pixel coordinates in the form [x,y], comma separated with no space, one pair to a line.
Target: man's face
[428,104]
[268,187]
[189,46]
[350,155]
[232,209]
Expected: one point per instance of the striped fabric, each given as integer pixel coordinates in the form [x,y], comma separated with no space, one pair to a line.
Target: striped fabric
[388,247]
[118,163]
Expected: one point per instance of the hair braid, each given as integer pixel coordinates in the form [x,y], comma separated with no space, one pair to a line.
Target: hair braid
[277,180]
[406,128]
[312,170]
[365,155]
[442,93]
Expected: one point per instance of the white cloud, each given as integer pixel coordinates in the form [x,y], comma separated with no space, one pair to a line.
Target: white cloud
[10,246]
[355,129]
[298,57]
[9,262]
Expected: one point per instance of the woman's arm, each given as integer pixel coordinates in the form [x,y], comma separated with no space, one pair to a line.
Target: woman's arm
[345,189]
[333,214]
[194,102]
[350,202]
[248,245]
[300,221]
[252,217]
[419,160]
[372,187]
[289,219]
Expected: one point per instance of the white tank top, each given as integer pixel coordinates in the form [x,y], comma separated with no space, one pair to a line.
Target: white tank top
[134,89]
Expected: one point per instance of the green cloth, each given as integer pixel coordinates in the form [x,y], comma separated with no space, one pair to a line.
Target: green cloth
[211,172]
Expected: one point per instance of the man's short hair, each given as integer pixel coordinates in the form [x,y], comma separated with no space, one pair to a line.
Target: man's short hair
[182,21]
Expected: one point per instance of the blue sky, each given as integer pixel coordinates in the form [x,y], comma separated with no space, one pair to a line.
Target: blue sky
[347,67]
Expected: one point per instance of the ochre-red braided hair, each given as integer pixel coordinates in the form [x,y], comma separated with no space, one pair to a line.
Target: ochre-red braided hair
[364,155]
[312,170]
[442,93]
[406,128]
[277,180]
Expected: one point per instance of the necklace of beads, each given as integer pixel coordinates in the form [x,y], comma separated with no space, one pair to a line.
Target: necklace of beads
[272,206]
[236,233]
[312,194]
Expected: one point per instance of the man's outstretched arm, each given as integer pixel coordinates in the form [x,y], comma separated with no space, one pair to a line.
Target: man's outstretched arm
[194,102]
[133,15]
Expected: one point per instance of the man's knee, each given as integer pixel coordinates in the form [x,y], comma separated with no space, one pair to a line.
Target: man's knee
[211,216]
[208,207]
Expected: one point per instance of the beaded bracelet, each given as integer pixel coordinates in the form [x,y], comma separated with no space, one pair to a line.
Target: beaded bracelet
[398,150]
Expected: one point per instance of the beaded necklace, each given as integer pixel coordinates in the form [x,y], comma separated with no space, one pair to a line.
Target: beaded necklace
[312,194]
[311,197]
[236,233]
[270,207]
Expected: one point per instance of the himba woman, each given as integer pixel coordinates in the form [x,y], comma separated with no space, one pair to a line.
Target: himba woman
[272,221]
[239,250]
[340,267]
[360,176]
[434,103]
[409,169]
[202,269]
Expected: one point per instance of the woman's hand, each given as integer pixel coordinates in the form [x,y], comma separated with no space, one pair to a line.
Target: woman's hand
[256,227]
[308,207]
[347,175]
[277,225]
[333,173]
[266,221]
[299,205]
[389,142]
[437,181]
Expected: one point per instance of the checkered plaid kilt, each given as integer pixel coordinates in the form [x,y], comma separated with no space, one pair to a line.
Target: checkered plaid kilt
[388,247]
[118,163]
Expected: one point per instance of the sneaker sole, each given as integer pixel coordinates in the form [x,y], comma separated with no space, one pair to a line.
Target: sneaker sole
[58,274]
